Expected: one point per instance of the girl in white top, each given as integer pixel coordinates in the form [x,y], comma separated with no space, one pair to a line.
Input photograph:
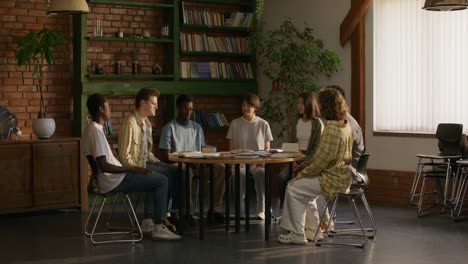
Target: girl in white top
[253,133]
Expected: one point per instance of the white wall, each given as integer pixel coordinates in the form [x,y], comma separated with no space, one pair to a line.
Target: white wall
[325,17]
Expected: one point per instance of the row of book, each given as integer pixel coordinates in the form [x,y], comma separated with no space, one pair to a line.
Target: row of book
[215,18]
[215,70]
[215,119]
[202,42]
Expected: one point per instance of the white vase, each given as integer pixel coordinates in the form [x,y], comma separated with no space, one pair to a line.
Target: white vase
[43,127]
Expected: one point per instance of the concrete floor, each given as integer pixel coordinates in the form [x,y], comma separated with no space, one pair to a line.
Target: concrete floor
[56,237]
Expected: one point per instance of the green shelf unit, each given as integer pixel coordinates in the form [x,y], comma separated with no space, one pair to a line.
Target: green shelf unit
[200,87]
[245,30]
[221,2]
[131,76]
[156,40]
[129,3]
[170,85]
[217,80]
[221,54]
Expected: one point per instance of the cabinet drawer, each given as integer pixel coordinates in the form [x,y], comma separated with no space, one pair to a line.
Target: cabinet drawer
[56,171]
[15,176]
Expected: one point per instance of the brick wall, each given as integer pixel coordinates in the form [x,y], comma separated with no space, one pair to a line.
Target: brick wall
[132,21]
[17,88]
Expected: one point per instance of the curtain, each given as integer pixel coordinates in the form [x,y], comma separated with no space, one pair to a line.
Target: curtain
[420,67]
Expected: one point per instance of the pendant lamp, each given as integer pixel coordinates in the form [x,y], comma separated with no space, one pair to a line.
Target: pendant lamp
[445,5]
[68,6]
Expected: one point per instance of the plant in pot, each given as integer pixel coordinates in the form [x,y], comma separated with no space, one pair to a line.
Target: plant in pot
[36,50]
[295,60]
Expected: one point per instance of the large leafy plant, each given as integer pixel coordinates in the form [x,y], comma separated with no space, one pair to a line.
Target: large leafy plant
[296,61]
[37,49]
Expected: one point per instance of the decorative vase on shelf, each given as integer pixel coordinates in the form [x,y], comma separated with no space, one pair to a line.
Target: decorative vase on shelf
[43,128]
[135,67]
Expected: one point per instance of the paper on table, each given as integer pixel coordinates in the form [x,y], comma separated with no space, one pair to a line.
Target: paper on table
[290,147]
[198,154]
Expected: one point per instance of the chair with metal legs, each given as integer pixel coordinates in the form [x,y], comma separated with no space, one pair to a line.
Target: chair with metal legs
[451,146]
[132,234]
[355,192]
[461,187]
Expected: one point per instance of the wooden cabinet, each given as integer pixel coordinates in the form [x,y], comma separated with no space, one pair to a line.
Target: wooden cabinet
[42,174]
[15,180]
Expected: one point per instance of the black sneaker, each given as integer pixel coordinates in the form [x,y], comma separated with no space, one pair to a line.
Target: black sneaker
[218,218]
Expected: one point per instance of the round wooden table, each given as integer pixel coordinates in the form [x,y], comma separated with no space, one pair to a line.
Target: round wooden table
[229,161]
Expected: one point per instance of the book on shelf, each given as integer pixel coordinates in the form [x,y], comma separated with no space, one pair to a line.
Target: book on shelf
[214,119]
[194,15]
[215,70]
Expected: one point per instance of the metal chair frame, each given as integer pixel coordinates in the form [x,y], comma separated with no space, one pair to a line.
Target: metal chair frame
[129,210]
[461,187]
[362,233]
[93,235]
[353,193]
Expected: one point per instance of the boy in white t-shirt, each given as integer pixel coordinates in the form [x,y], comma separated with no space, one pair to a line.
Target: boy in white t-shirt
[113,177]
[253,133]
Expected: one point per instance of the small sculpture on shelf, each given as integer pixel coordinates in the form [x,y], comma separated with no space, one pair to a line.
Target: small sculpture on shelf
[119,57]
[157,69]
[146,34]
[134,53]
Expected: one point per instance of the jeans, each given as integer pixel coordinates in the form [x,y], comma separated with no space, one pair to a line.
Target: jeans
[172,174]
[155,186]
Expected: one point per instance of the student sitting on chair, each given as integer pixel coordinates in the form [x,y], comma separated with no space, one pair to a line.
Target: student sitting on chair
[115,177]
[253,133]
[136,144]
[182,134]
[328,173]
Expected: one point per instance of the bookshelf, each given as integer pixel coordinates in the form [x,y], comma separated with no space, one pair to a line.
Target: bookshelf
[151,15]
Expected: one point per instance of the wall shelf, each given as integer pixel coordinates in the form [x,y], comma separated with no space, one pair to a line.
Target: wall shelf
[207,53]
[161,40]
[131,76]
[224,28]
[128,3]
[221,2]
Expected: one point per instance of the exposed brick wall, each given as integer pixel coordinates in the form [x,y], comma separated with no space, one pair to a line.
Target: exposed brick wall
[132,21]
[17,88]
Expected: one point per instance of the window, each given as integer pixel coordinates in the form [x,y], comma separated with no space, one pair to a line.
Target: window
[420,67]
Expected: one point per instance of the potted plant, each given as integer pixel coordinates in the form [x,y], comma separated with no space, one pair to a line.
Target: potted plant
[295,60]
[37,49]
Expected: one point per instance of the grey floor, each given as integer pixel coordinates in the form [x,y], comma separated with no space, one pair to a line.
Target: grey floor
[56,237]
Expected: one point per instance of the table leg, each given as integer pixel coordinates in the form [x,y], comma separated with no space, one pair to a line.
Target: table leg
[237,197]
[267,201]
[247,198]
[187,191]
[201,196]
[227,174]
[182,206]
[211,193]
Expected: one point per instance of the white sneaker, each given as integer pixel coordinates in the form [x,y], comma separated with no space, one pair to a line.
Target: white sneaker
[161,232]
[261,215]
[147,226]
[310,234]
[291,238]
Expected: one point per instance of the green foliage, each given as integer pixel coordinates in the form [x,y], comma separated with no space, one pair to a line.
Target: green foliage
[296,60]
[37,49]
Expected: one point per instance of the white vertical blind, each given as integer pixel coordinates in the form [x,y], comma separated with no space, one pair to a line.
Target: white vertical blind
[420,67]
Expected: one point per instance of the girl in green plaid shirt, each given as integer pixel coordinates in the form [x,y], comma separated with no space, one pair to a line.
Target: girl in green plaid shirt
[326,173]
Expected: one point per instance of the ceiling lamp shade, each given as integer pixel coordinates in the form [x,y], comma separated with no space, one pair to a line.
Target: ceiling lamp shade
[445,5]
[68,6]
